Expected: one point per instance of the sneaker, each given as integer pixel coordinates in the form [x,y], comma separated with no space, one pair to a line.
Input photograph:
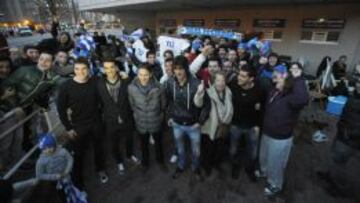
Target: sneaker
[319,137]
[103,177]
[177,173]
[135,160]
[271,191]
[258,174]
[121,168]
[151,140]
[173,158]
[251,174]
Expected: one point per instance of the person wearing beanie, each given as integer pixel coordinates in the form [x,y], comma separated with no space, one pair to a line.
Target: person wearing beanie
[54,165]
[282,110]
[54,162]
[187,112]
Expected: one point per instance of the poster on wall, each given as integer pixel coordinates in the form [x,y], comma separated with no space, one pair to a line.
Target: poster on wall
[324,23]
[269,23]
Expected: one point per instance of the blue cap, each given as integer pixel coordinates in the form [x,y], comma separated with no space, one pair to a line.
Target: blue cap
[281,69]
[46,141]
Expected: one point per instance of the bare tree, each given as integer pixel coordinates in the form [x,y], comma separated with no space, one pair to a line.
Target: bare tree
[57,10]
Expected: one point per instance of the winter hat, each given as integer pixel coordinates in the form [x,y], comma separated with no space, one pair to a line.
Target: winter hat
[47,140]
[281,69]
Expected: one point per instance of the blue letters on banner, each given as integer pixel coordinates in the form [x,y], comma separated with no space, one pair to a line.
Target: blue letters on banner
[209,32]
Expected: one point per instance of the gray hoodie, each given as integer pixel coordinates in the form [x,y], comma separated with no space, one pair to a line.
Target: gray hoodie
[54,167]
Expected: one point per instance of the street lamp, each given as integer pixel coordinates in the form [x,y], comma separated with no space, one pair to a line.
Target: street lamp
[26,22]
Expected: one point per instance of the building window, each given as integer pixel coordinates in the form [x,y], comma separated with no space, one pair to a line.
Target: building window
[272,28]
[273,35]
[194,22]
[167,26]
[227,24]
[320,37]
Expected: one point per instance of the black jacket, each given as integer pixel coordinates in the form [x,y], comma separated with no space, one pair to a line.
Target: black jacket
[157,71]
[112,110]
[349,124]
[182,108]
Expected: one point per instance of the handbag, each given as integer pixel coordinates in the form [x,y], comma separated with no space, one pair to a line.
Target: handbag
[222,128]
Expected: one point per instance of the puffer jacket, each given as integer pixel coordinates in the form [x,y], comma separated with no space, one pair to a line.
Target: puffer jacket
[148,109]
[349,124]
[182,108]
[30,83]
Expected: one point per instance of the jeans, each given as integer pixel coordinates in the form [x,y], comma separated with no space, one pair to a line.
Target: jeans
[252,143]
[194,135]
[274,155]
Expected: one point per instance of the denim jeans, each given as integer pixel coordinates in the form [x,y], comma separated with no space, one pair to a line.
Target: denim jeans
[274,155]
[252,142]
[194,135]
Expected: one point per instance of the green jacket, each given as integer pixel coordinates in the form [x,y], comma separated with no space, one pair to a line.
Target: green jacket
[31,84]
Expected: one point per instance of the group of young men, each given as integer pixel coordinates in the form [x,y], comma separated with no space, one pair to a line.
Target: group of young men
[126,96]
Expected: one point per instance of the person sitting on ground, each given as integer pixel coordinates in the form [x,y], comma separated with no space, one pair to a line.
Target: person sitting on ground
[55,164]
[338,180]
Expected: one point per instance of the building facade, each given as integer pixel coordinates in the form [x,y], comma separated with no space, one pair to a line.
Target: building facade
[304,30]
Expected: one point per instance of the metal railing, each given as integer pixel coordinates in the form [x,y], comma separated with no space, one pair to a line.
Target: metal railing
[28,154]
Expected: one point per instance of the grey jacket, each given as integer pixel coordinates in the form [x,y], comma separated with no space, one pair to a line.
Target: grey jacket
[55,166]
[148,109]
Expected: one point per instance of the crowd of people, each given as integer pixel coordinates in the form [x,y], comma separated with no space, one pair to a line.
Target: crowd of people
[217,93]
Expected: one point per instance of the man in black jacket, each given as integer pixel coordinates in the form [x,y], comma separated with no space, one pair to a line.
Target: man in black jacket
[186,112]
[79,95]
[247,100]
[116,111]
[154,65]
[339,181]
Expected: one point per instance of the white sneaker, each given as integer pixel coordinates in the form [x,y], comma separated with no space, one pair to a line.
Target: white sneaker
[173,158]
[121,169]
[103,177]
[319,136]
[135,160]
[151,140]
[259,174]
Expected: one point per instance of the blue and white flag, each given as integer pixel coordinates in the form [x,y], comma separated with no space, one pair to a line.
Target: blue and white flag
[209,32]
[137,34]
